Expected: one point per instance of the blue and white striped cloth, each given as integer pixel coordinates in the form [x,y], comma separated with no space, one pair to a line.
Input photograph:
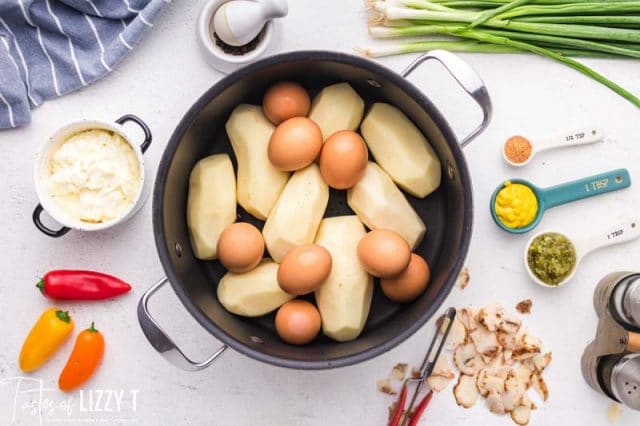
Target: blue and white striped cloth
[52,47]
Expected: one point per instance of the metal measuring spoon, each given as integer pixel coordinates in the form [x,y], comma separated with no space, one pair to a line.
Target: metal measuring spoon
[627,229]
[576,137]
[564,193]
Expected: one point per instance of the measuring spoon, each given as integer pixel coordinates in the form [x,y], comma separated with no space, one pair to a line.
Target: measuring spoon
[575,137]
[625,230]
[564,193]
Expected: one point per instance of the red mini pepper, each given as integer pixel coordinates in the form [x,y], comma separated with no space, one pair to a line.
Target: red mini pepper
[81,285]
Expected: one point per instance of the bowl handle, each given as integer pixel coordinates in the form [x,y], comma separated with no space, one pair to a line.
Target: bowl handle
[467,78]
[37,212]
[143,126]
[161,342]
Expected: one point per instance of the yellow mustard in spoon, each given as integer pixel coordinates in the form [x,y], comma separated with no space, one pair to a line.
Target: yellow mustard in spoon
[517,205]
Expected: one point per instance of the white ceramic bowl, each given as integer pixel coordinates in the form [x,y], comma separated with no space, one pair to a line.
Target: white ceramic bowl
[41,172]
[225,62]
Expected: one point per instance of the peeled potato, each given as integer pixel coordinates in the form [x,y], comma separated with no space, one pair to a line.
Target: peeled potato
[211,205]
[252,293]
[296,216]
[337,107]
[344,299]
[381,205]
[259,182]
[401,150]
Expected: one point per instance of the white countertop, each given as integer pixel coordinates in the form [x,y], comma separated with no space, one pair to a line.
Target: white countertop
[158,82]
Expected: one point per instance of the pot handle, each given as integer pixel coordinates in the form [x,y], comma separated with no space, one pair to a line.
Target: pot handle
[163,343]
[37,212]
[147,132]
[467,78]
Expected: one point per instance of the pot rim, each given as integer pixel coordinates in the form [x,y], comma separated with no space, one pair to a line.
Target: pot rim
[186,121]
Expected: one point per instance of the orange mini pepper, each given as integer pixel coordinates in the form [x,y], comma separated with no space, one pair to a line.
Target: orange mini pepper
[84,359]
[47,335]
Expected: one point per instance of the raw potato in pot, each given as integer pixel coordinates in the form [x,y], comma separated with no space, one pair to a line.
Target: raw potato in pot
[337,107]
[253,293]
[212,179]
[344,299]
[401,150]
[381,205]
[296,216]
[259,182]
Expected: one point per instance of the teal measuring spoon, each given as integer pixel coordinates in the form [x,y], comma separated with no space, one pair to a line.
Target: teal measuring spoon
[564,193]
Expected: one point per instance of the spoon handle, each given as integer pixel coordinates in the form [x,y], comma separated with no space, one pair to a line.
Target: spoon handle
[585,188]
[624,230]
[575,137]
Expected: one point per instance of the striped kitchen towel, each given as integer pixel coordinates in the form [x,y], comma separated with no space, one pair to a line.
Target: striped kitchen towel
[52,47]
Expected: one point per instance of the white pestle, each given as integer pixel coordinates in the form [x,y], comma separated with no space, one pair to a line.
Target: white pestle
[237,22]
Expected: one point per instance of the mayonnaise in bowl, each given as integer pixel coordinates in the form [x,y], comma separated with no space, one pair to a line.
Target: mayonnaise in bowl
[90,176]
[94,176]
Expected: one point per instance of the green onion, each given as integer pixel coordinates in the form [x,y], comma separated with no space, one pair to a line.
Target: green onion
[634,21]
[422,46]
[621,49]
[492,13]
[572,9]
[555,29]
[465,46]
[580,31]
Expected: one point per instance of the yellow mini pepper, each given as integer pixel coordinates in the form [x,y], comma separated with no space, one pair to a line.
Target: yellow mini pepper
[47,335]
[516,205]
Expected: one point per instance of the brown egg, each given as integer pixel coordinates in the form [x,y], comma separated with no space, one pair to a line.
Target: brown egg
[298,322]
[343,159]
[304,269]
[409,284]
[285,100]
[295,144]
[240,247]
[384,253]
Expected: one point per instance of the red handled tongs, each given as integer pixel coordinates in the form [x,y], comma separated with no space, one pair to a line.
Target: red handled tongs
[402,417]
